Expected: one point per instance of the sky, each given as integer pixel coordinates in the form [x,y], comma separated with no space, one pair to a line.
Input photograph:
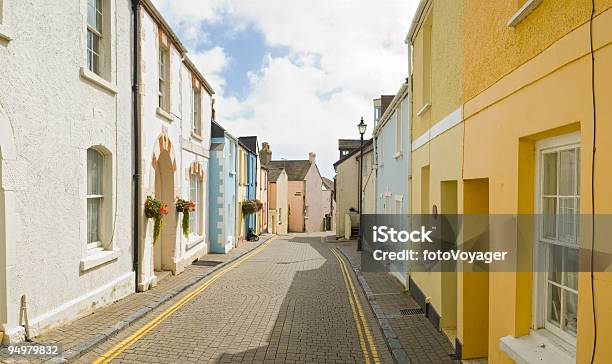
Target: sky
[299,74]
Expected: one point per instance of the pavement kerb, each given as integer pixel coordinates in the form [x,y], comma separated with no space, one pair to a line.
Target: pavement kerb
[397,352]
[112,330]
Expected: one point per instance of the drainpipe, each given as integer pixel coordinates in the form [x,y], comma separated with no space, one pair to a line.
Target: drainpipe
[136,121]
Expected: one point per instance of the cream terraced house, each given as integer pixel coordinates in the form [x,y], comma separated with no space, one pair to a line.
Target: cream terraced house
[65,161]
[175,112]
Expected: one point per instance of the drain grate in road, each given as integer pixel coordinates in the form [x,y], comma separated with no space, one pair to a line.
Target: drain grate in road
[206,263]
[412,311]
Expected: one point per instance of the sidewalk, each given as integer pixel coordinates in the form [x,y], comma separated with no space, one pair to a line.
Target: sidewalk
[79,336]
[411,337]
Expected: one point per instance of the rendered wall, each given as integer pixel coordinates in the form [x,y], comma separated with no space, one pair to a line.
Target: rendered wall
[347,189]
[314,200]
[52,114]
[548,95]
[295,200]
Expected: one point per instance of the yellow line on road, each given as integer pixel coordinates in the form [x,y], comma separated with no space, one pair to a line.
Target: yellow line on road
[358,314]
[138,334]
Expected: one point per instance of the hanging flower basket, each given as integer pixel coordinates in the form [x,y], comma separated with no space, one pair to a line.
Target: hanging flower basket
[251,206]
[185,206]
[155,209]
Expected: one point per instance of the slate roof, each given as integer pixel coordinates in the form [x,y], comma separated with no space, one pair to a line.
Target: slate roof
[296,169]
[250,143]
[367,146]
[350,144]
[274,173]
[329,184]
[217,131]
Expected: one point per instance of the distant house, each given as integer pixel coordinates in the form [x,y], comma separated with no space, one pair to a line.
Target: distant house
[262,195]
[347,186]
[278,212]
[305,194]
[223,185]
[345,146]
[329,203]
[251,168]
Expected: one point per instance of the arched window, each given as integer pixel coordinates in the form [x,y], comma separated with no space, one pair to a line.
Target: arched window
[95,197]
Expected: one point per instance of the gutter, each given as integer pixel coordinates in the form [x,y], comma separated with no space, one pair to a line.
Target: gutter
[136,131]
[418,19]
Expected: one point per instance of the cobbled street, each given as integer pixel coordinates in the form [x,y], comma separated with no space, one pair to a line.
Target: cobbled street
[286,303]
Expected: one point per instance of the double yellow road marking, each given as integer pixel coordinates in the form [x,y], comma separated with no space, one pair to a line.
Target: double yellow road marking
[363,330]
[136,335]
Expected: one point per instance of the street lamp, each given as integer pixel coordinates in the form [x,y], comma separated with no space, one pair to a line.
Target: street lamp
[361,127]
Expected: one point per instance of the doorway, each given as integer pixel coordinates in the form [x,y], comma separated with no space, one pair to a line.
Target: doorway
[163,251]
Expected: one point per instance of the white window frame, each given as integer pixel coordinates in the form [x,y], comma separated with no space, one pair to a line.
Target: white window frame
[195,226]
[5,33]
[400,199]
[232,167]
[98,244]
[398,131]
[100,34]
[540,288]
[196,114]
[381,149]
[163,83]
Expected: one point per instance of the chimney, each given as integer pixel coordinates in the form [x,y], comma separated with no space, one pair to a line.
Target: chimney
[265,154]
[312,157]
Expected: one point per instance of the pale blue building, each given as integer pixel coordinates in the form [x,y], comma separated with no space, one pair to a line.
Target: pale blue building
[392,153]
[223,187]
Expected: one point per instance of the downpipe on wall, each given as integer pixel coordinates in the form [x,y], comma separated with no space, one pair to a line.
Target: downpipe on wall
[136,127]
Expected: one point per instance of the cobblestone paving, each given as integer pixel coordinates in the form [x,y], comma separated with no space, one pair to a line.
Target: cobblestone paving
[288,304]
[78,332]
[423,343]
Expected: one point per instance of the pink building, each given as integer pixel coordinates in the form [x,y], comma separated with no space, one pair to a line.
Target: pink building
[306,200]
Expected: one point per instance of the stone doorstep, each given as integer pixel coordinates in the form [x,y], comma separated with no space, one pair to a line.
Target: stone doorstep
[113,329]
[397,352]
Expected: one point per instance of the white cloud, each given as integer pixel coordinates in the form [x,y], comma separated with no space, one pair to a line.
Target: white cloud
[212,62]
[342,54]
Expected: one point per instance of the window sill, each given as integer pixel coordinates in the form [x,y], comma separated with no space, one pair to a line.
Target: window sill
[164,114]
[196,136]
[196,241]
[397,155]
[5,33]
[98,258]
[425,107]
[536,348]
[98,81]
[523,12]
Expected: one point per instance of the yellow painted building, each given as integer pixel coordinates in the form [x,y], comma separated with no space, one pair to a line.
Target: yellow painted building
[436,41]
[528,119]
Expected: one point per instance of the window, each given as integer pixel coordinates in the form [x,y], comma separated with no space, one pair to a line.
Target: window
[164,64]
[197,111]
[426,59]
[381,150]
[95,197]
[232,162]
[398,131]
[344,152]
[195,195]
[398,204]
[377,113]
[95,18]
[557,241]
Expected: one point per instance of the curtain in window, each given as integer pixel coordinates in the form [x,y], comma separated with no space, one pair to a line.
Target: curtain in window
[94,194]
[195,188]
